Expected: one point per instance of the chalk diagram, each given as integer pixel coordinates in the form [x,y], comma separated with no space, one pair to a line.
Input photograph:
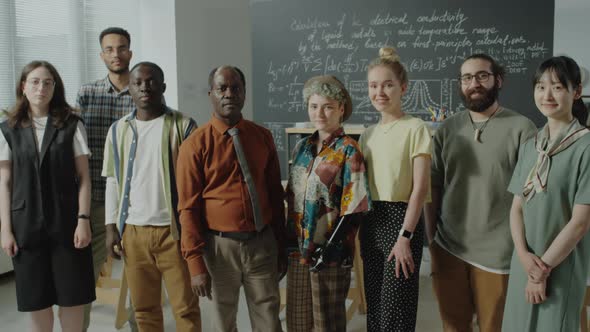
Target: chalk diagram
[418,99]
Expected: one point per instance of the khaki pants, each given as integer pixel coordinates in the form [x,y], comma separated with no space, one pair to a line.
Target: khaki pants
[252,264]
[463,289]
[150,255]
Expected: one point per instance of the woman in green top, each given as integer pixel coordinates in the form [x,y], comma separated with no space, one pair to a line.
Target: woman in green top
[551,210]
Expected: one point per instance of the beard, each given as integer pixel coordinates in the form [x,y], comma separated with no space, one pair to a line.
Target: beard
[487,99]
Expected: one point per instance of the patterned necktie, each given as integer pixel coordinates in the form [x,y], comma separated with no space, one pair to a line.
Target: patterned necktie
[233,132]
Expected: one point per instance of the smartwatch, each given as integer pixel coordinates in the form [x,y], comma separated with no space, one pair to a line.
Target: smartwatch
[407,234]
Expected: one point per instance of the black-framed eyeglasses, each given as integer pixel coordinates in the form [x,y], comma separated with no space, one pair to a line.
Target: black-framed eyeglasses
[480,76]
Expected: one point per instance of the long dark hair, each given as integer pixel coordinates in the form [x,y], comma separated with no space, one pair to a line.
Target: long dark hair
[59,109]
[568,73]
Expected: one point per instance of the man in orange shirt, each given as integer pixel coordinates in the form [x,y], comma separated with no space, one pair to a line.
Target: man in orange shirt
[230,201]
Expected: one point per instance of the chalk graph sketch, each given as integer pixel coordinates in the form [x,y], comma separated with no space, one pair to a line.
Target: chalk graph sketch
[422,95]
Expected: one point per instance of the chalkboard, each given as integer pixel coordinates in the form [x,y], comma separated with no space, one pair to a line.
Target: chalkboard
[294,40]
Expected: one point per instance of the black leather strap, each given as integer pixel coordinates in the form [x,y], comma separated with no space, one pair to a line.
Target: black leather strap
[239,236]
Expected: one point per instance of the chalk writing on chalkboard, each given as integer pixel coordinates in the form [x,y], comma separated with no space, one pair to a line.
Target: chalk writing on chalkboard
[278,132]
[437,33]
[341,38]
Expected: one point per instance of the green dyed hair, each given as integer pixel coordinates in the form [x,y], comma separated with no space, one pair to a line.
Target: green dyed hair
[323,89]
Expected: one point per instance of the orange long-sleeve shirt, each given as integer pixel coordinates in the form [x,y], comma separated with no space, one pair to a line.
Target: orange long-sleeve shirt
[212,193]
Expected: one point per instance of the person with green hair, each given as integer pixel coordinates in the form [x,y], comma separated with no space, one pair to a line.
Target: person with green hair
[326,191]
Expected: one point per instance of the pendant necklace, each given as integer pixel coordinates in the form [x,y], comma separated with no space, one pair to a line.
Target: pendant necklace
[477,131]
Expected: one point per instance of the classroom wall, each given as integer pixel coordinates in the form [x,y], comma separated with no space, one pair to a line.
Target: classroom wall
[215,32]
[158,42]
[572,25]
[210,33]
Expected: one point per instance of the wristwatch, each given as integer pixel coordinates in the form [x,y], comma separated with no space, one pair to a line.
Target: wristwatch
[407,234]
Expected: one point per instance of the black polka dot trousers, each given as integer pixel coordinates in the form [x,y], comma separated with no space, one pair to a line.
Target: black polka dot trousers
[392,302]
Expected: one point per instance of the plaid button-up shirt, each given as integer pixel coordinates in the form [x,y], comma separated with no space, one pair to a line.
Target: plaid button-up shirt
[101,105]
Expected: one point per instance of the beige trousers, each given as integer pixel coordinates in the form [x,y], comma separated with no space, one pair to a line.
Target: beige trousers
[253,265]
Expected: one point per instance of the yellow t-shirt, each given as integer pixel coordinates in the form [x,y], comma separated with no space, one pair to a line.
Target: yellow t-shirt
[389,150]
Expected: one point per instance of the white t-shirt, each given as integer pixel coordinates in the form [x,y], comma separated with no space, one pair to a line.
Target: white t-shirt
[147,202]
[80,140]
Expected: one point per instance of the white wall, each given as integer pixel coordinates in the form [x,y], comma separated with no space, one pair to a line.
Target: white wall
[210,33]
[158,42]
[572,33]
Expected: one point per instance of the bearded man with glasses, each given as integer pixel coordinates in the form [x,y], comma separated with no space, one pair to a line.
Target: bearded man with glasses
[467,223]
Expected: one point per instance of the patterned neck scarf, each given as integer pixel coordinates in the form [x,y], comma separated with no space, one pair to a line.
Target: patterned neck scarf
[537,179]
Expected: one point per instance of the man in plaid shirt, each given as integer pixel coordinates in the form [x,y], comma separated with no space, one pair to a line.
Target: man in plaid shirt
[102,103]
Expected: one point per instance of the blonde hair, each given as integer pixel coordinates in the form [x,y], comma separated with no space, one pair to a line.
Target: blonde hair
[389,58]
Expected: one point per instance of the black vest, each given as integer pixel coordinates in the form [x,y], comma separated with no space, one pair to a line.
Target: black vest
[44,186]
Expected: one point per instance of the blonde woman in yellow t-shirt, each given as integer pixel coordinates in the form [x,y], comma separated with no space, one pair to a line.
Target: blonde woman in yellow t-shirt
[397,152]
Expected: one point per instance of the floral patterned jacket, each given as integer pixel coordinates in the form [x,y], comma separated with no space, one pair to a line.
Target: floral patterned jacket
[322,187]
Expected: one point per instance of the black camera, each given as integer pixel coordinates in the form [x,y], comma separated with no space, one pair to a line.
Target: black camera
[327,252]
[319,259]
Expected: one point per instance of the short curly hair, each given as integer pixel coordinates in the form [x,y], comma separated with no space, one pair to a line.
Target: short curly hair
[324,89]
